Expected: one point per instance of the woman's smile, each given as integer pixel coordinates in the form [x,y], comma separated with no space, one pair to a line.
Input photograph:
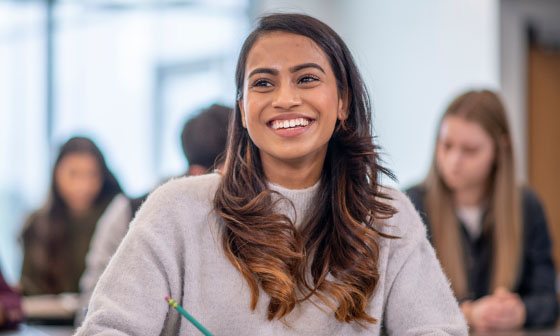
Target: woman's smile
[290,125]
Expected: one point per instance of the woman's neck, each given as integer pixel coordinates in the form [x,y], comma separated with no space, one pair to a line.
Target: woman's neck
[297,174]
[78,213]
[469,197]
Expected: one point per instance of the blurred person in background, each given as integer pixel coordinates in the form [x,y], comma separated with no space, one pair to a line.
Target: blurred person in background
[203,140]
[10,306]
[489,232]
[56,237]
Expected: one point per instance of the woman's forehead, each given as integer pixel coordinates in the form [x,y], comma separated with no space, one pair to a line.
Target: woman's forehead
[281,49]
[458,128]
[79,159]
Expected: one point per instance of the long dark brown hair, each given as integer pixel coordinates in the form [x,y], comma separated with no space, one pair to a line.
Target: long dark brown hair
[47,229]
[340,235]
[503,217]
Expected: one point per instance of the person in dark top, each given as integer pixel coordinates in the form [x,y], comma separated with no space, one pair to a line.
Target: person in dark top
[489,233]
[10,306]
[57,236]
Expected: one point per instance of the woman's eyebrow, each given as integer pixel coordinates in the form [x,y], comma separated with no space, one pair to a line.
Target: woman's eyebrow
[263,70]
[306,65]
[295,68]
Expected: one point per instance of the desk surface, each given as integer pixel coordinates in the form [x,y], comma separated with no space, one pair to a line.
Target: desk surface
[68,331]
[548,332]
[40,331]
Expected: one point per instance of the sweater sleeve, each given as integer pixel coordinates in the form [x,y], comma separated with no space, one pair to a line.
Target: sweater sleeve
[537,288]
[129,297]
[420,300]
[111,229]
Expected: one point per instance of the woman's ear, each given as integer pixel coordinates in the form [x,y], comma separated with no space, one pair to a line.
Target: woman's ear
[240,104]
[343,103]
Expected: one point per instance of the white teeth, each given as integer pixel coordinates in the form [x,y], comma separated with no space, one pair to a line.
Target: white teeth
[277,124]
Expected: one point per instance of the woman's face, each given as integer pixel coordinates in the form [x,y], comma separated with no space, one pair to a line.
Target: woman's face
[290,101]
[78,179]
[465,153]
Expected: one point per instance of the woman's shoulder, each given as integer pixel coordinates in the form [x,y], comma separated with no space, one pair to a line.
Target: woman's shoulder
[33,216]
[117,203]
[410,237]
[416,191]
[31,221]
[183,194]
[416,194]
[406,222]
[534,213]
[189,186]
[529,198]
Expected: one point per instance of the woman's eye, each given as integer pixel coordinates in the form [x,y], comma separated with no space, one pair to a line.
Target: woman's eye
[470,150]
[262,83]
[308,79]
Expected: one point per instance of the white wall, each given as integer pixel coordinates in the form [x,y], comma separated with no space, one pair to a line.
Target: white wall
[415,56]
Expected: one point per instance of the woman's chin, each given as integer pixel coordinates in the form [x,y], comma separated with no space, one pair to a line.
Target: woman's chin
[454,185]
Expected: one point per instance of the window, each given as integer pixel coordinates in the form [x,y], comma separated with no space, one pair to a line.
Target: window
[126,73]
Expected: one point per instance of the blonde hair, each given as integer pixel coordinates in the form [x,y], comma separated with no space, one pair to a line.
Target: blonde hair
[503,218]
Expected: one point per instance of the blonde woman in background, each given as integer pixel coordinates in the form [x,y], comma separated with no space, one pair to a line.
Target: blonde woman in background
[489,233]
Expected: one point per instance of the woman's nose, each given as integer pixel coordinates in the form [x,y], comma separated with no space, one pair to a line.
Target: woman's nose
[455,158]
[286,97]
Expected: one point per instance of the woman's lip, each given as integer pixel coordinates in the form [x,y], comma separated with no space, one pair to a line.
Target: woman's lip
[289,116]
[271,122]
[292,132]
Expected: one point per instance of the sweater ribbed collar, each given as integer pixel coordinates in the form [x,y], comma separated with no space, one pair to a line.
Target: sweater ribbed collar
[301,198]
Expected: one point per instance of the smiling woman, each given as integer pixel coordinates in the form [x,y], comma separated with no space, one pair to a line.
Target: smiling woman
[299,87]
[294,235]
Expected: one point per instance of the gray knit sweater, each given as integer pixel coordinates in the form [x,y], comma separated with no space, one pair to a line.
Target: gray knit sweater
[174,249]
